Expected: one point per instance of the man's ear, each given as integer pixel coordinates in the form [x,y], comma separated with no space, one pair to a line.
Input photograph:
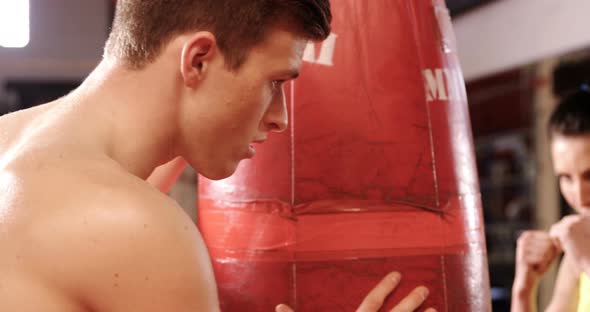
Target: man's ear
[197,54]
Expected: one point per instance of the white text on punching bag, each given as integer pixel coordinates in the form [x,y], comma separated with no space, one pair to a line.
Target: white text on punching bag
[441,84]
[326,56]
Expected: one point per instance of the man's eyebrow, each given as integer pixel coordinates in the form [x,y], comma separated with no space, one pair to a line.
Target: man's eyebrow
[291,74]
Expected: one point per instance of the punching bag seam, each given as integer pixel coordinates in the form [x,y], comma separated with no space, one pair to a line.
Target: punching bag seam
[431,138]
[292,123]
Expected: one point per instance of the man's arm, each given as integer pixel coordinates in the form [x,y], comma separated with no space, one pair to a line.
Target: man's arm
[136,250]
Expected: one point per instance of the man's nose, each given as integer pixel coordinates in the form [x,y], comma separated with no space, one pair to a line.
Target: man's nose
[277,117]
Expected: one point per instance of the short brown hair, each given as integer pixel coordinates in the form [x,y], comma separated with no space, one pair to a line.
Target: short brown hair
[142,27]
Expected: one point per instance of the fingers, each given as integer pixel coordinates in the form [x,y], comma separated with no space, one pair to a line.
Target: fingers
[560,229]
[283,308]
[374,300]
[412,301]
[556,242]
[572,232]
[430,310]
[536,250]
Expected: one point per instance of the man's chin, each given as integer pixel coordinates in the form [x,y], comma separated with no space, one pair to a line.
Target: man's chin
[219,173]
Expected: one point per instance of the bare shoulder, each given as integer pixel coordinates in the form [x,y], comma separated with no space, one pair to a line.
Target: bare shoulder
[124,246]
[565,293]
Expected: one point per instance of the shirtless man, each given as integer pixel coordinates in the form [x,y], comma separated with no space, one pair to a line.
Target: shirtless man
[80,229]
[569,132]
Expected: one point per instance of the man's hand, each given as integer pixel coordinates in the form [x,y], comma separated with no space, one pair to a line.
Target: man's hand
[573,234]
[374,300]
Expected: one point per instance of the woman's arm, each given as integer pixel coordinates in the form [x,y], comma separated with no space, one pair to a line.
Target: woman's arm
[565,293]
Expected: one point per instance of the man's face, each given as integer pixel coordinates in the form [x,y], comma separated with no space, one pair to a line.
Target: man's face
[238,109]
[571,163]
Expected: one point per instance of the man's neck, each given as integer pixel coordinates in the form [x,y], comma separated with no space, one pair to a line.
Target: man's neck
[130,114]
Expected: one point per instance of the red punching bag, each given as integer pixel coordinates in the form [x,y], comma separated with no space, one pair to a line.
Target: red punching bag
[375,174]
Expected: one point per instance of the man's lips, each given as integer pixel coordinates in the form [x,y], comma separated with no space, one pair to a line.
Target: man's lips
[259,141]
[252,149]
